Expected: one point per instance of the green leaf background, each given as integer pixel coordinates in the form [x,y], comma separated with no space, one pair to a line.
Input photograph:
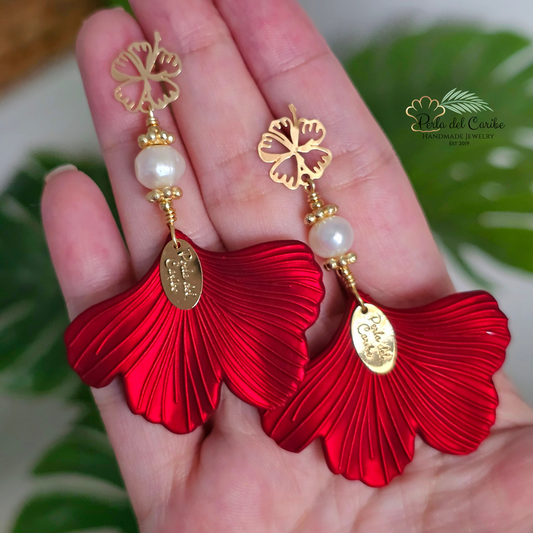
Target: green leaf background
[33,361]
[33,317]
[458,187]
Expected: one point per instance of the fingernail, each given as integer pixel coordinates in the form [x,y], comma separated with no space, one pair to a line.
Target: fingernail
[59,170]
[119,8]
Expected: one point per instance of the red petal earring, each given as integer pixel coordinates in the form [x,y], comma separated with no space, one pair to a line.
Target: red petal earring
[388,374]
[197,318]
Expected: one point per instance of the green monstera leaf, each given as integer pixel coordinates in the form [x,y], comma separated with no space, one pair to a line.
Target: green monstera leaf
[83,454]
[33,361]
[65,512]
[480,194]
[33,317]
[120,3]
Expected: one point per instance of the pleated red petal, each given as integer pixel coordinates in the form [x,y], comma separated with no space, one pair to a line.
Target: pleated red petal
[441,388]
[248,330]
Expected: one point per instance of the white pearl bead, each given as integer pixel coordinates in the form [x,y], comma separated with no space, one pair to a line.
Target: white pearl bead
[159,166]
[331,237]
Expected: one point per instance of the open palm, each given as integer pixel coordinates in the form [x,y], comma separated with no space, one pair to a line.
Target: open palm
[243,62]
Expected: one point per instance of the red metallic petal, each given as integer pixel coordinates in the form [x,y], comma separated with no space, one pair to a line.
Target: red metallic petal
[248,329]
[441,388]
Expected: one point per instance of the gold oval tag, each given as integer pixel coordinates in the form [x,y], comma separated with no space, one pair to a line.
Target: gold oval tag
[374,339]
[181,275]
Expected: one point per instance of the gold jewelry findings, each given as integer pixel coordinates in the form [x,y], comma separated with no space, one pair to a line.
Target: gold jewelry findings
[330,235]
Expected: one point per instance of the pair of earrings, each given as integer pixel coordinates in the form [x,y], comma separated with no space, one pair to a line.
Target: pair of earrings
[200,318]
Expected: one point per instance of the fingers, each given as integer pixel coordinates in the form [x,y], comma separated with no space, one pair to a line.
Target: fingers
[101,39]
[89,255]
[92,264]
[512,410]
[222,114]
[399,262]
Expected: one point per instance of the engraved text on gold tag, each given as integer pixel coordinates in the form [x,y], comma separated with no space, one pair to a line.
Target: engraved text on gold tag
[181,275]
[374,339]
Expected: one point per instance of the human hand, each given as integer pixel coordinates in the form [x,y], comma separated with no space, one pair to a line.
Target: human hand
[244,61]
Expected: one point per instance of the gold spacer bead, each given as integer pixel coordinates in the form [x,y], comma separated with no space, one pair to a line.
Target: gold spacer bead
[155,136]
[176,192]
[317,204]
[142,141]
[154,195]
[165,206]
[330,210]
[319,213]
[331,264]
[340,263]
[151,120]
[309,219]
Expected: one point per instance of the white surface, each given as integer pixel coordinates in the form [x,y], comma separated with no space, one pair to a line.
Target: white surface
[49,111]
[348,22]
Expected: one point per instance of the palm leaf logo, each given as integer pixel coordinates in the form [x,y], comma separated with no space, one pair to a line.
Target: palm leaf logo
[463,102]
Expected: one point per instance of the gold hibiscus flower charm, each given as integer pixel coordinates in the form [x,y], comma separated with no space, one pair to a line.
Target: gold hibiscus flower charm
[299,138]
[146,76]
